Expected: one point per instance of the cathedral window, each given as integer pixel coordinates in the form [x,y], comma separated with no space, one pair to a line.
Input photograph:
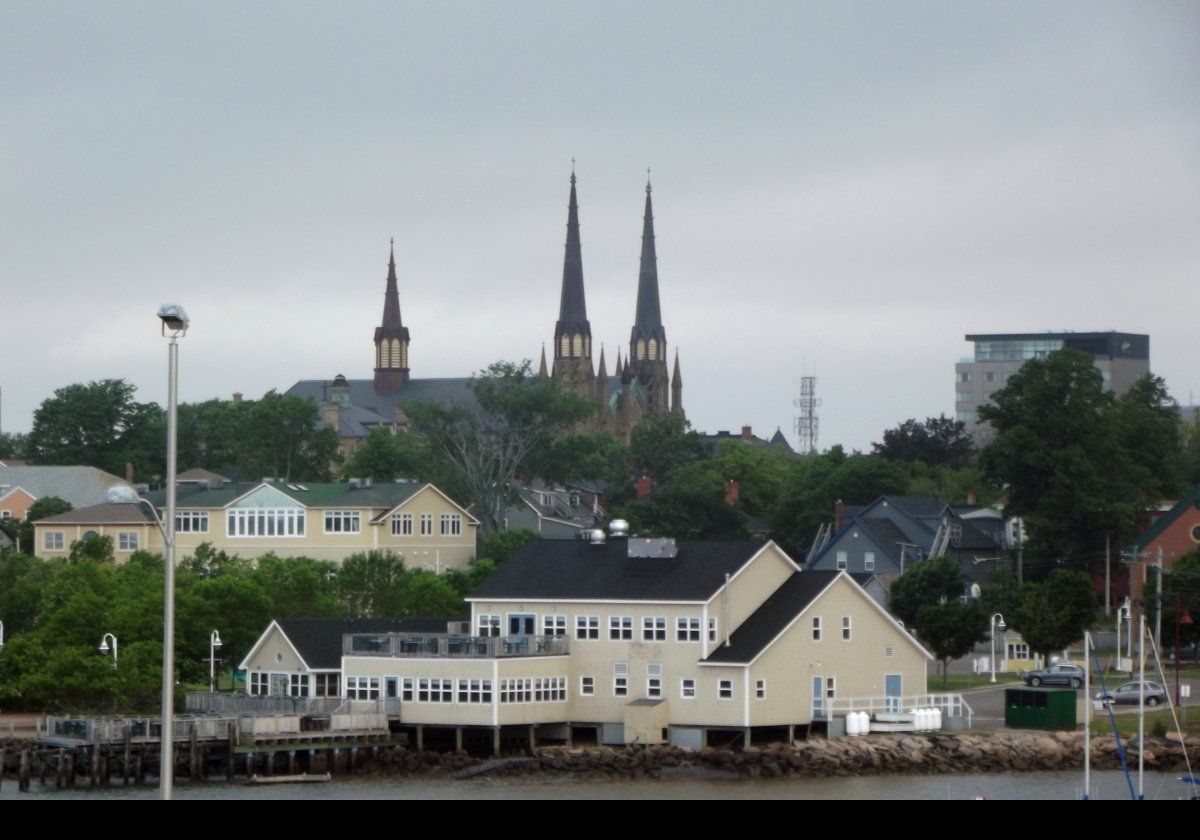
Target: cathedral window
[565,350]
[653,350]
[578,346]
[395,352]
[404,355]
[587,346]
[641,349]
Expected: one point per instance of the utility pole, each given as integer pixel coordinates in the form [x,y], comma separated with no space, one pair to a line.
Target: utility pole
[1158,602]
[1108,575]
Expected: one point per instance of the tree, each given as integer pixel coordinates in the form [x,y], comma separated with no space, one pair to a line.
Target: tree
[1054,613]
[101,425]
[689,505]
[488,441]
[11,446]
[951,629]
[1181,599]
[662,443]
[939,441]
[1149,430]
[369,584]
[929,582]
[41,509]
[1058,452]
[384,457]
[283,438]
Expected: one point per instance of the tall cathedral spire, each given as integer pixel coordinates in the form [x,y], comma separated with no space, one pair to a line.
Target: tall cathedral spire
[573,332]
[648,340]
[391,337]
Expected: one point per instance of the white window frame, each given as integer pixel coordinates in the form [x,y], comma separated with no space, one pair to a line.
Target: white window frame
[843,560]
[620,679]
[712,630]
[426,524]
[587,627]
[488,624]
[654,628]
[191,522]
[343,522]
[554,625]
[724,689]
[869,561]
[847,628]
[760,690]
[620,628]
[53,540]
[127,541]
[587,686]
[687,629]
[265,523]
[451,524]
[687,688]
[816,628]
[402,524]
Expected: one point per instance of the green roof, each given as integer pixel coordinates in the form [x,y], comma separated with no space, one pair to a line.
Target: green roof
[310,495]
[1192,499]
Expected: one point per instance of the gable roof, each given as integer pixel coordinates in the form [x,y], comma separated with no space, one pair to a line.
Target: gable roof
[785,606]
[80,486]
[311,495]
[1192,499]
[318,641]
[574,570]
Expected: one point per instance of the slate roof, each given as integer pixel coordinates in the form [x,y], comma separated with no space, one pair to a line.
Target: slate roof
[319,640]
[362,393]
[80,486]
[917,506]
[106,514]
[773,615]
[576,570]
[885,532]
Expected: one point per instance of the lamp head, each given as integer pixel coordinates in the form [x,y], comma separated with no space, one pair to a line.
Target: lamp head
[173,318]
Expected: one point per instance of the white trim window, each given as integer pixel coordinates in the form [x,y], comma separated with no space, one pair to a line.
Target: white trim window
[712,629]
[620,628]
[297,685]
[554,625]
[474,691]
[550,690]
[654,680]
[760,690]
[260,684]
[52,540]
[362,688]
[406,689]
[327,684]
[842,561]
[724,689]
[489,625]
[451,524]
[830,689]
[426,524]
[587,686]
[869,561]
[343,522]
[846,628]
[620,679]
[402,524]
[519,690]
[264,522]
[654,629]
[687,629]
[587,627]
[127,541]
[687,689]
[191,522]
[816,628]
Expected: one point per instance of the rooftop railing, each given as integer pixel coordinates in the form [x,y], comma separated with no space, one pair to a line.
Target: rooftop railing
[449,646]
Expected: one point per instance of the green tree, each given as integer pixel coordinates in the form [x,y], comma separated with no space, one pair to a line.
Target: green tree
[661,444]
[299,587]
[499,547]
[385,457]
[1150,432]
[488,442]
[1054,613]
[101,425]
[1181,591]
[939,441]
[933,581]
[1058,452]
[689,505]
[370,584]
[951,629]
[43,508]
[284,438]
[12,446]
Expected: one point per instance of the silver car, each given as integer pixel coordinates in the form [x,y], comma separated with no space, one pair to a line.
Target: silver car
[1060,673]
[1126,694]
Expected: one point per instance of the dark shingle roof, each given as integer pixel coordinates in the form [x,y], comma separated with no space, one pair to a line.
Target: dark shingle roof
[363,396]
[319,640]
[775,613]
[118,514]
[918,505]
[577,570]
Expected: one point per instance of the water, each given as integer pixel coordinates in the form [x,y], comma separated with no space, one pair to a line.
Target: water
[1052,785]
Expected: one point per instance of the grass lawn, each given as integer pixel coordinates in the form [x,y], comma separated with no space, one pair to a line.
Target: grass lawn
[965,682]
[1127,724]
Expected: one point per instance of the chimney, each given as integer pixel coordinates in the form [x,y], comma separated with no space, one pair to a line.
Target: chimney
[237,397]
[971,497]
[330,411]
[129,471]
[644,485]
[839,513]
[733,492]
[746,434]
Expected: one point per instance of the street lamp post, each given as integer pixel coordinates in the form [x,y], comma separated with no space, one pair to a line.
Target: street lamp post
[997,624]
[104,648]
[174,324]
[1123,614]
[214,642]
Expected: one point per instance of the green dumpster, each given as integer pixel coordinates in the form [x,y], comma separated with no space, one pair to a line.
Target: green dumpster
[1039,708]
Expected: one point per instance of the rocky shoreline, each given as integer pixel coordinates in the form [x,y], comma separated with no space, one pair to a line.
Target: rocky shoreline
[999,752]
[899,754]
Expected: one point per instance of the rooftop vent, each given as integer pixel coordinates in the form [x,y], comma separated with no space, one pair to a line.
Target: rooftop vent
[618,528]
[658,547]
[120,495]
[595,536]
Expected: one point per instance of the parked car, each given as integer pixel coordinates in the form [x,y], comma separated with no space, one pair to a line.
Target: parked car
[1060,673]
[1127,694]
[1189,653]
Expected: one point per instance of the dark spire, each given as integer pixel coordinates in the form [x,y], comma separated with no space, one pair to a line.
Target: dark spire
[572,310]
[543,374]
[392,326]
[647,323]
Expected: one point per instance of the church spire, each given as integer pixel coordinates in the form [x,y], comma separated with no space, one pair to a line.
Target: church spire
[573,332]
[543,374]
[648,340]
[677,387]
[391,337]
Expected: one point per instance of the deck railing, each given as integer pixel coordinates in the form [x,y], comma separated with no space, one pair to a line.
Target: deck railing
[206,703]
[951,705]
[448,646]
[113,729]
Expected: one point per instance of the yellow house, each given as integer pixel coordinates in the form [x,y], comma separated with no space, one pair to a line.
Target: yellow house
[643,641]
[323,521]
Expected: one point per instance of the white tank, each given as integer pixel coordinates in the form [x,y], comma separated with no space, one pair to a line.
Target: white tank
[937,719]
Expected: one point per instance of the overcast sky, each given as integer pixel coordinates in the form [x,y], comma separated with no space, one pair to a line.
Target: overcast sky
[840,188]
